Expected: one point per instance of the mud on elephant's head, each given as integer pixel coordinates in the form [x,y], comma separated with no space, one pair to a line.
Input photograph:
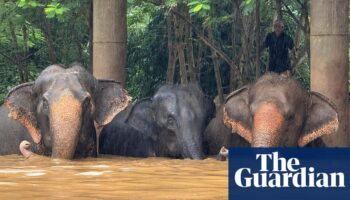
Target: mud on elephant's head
[61,108]
[278,112]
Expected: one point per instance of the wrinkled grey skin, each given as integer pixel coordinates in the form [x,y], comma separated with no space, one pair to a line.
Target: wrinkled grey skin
[304,116]
[11,133]
[59,112]
[140,140]
[170,124]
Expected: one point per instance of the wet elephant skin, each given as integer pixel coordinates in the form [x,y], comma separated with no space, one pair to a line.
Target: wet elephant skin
[170,124]
[61,112]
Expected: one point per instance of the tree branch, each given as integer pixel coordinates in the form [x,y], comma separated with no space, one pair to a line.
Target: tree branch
[9,58]
[206,41]
[291,14]
[155,2]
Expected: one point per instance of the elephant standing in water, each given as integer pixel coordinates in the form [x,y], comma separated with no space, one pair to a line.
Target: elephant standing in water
[60,112]
[170,124]
[277,111]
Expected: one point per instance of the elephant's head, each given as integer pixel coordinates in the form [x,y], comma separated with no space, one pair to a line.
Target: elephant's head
[61,108]
[180,114]
[278,111]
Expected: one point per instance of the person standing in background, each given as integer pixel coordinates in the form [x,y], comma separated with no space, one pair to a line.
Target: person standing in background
[279,43]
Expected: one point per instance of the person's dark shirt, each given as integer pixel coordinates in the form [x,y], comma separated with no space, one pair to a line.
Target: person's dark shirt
[278,50]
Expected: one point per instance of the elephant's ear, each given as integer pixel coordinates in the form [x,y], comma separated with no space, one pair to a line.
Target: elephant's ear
[21,104]
[322,119]
[110,99]
[141,116]
[237,113]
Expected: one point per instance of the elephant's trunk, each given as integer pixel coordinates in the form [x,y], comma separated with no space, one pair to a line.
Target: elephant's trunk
[192,145]
[65,123]
[268,123]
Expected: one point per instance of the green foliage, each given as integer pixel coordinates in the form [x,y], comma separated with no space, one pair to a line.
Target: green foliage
[51,9]
[29,4]
[25,44]
[171,3]
[55,9]
[139,16]
[302,74]
[147,56]
[200,7]
[248,6]
[147,38]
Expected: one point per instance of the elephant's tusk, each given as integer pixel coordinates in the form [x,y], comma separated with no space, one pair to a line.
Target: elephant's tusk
[223,154]
[24,147]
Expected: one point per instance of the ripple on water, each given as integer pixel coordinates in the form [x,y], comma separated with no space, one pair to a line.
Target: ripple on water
[126,169]
[100,166]
[63,166]
[16,171]
[8,184]
[93,173]
[35,174]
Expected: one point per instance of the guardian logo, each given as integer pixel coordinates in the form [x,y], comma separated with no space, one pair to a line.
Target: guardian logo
[289,173]
[285,173]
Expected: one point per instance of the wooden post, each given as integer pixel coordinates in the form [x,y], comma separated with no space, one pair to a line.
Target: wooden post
[109,39]
[329,60]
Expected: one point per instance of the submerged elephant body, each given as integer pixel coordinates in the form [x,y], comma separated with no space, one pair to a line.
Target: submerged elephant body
[218,135]
[60,110]
[120,138]
[11,133]
[169,124]
[277,111]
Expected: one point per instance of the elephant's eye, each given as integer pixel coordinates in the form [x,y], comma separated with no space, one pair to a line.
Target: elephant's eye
[45,104]
[87,102]
[290,116]
[171,122]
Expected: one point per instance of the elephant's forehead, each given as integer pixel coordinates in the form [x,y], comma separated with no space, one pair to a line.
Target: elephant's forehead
[66,79]
[60,81]
[276,92]
[280,93]
[167,101]
[65,75]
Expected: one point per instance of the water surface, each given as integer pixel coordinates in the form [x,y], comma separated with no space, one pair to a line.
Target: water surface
[111,177]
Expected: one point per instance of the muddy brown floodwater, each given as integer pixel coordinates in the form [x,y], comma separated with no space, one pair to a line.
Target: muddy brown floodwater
[111,177]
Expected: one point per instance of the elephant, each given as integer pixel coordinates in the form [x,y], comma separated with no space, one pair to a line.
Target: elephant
[276,111]
[11,133]
[218,135]
[121,138]
[61,112]
[169,124]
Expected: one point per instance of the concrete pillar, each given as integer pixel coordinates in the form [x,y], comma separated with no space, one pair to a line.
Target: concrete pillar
[329,60]
[109,39]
